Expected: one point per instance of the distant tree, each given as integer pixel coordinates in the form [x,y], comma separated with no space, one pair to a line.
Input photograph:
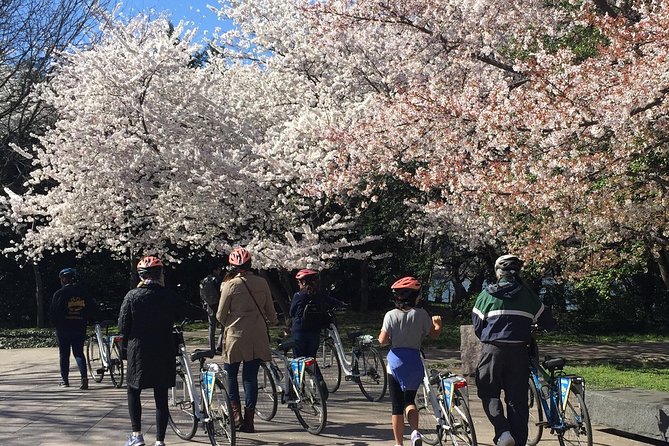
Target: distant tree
[32,35]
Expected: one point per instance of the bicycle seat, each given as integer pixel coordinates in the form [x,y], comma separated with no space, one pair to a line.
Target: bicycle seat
[354,335]
[286,345]
[105,324]
[554,363]
[199,354]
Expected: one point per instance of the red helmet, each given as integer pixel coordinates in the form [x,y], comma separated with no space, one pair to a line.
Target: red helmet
[149,262]
[239,256]
[304,273]
[406,283]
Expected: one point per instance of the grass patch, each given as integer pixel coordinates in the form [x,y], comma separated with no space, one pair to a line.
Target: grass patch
[560,338]
[613,376]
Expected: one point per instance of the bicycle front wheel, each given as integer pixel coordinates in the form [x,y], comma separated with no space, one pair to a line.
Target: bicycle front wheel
[330,366]
[311,410]
[96,367]
[535,425]
[268,401]
[427,421]
[373,379]
[116,368]
[182,408]
[462,428]
[220,428]
[578,430]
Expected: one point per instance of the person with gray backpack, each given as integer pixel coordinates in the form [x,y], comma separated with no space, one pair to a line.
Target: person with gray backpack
[210,294]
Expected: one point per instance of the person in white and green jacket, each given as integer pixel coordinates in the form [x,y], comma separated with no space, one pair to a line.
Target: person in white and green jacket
[503,317]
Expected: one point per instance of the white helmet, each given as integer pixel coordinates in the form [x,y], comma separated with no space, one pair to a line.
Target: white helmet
[508,265]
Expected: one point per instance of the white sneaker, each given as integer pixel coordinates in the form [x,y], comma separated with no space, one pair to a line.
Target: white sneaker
[506,439]
[416,439]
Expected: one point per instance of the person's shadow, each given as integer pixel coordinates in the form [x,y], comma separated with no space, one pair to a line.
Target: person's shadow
[663,423]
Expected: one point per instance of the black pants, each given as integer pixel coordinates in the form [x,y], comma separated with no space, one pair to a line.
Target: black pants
[505,368]
[162,410]
[211,317]
[71,339]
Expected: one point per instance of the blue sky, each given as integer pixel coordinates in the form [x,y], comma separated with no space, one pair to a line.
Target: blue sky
[195,11]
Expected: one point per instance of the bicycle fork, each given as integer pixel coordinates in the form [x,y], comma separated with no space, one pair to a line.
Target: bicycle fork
[102,345]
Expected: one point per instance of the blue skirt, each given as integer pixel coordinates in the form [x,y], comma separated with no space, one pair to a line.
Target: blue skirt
[406,366]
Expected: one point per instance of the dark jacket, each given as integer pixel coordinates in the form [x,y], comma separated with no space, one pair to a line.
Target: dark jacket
[71,308]
[505,311]
[300,300]
[146,319]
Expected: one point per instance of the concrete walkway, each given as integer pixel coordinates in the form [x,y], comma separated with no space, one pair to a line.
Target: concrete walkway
[35,411]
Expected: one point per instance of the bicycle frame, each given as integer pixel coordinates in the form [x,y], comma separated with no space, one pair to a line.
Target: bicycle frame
[348,367]
[103,346]
[554,398]
[295,369]
[195,396]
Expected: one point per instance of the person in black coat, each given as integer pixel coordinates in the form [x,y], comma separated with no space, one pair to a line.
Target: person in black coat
[146,319]
[70,310]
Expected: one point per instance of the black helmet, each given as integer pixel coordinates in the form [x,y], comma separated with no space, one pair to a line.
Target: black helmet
[69,274]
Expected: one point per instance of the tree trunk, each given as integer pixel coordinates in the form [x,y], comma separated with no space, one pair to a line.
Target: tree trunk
[460,293]
[364,285]
[132,279]
[278,294]
[663,264]
[39,295]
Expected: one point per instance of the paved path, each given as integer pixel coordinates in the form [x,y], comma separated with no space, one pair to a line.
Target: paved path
[35,411]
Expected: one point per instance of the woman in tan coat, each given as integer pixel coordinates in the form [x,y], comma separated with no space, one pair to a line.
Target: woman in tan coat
[245,311]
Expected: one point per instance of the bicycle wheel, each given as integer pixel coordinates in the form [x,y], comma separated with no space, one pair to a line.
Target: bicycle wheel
[578,430]
[311,410]
[96,367]
[182,408]
[116,368]
[535,425]
[462,428]
[373,379]
[330,366]
[427,422]
[267,402]
[220,427]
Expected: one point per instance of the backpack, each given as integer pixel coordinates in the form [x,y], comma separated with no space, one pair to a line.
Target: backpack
[315,316]
[209,291]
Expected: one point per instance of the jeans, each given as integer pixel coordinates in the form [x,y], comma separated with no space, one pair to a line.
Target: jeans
[249,379]
[71,339]
[306,344]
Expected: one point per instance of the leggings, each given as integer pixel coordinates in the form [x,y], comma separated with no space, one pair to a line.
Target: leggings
[400,398]
[162,411]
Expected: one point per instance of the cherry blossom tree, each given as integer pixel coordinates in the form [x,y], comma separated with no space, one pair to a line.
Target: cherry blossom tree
[151,154]
[520,140]
[536,127]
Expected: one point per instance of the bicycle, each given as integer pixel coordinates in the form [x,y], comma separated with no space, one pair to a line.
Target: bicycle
[365,367]
[304,395]
[444,414]
[104,354]
[558,396]
[209,405]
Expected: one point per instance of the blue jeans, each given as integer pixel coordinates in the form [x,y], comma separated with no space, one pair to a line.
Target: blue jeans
[306,344]
[249,379]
